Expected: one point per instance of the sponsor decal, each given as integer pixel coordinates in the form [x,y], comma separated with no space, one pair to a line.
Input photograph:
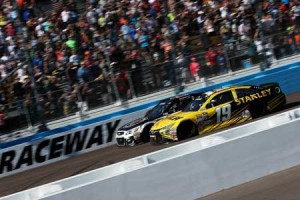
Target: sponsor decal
[205,115]
[174,118]
[202,120]
[52,148]
[252,97]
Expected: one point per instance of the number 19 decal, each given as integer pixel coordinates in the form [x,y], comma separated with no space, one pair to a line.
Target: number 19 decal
[223,113]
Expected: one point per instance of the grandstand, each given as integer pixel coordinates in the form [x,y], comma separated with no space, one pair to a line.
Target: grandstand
[61,58]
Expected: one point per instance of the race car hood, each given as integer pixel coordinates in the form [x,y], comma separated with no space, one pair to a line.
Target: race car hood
[134,124]
[171,119]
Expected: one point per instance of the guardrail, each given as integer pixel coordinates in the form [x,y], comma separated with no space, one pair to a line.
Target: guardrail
[190,170]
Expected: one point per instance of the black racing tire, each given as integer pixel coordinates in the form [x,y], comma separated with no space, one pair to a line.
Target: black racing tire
[145,136]
[133,143]
[186,130]
[258,110]
[282,106]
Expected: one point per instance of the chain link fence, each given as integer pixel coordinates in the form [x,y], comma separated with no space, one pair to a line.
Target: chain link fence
[245,54]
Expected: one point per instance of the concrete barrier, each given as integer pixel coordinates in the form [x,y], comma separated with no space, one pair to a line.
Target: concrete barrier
[189,170]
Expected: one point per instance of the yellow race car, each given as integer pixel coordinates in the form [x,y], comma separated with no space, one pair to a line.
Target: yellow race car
[218,109]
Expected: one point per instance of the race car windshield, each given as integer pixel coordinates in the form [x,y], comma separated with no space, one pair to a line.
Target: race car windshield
[195,105]
[158,110]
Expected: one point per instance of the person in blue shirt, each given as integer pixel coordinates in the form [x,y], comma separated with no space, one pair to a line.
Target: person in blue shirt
[132,33]
[83,73]
[221,61]
[144,40]
[38,61]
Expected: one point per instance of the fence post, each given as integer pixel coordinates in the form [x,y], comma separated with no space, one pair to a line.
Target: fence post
[43,126]
[112,75]
[264,64]
[29,122]
[133,93]
[228,65]
[80,103]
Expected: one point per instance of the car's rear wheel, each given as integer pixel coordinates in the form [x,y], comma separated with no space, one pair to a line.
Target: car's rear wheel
[258,110]
[280,107]
[186,130]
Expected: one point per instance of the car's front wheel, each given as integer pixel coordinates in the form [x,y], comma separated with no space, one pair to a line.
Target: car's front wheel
[186,130]
[145,136]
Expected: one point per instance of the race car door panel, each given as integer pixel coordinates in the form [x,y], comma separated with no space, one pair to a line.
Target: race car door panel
[219,110]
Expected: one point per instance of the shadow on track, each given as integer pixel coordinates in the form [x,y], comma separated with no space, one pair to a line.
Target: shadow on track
[291,105]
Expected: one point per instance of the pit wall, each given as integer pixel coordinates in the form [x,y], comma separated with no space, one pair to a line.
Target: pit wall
[98,132]
[190,170]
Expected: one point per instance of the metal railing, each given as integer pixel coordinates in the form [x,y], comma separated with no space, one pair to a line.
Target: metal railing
[141,79]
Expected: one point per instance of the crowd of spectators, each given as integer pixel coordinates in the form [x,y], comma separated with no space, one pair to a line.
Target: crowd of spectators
[81,50]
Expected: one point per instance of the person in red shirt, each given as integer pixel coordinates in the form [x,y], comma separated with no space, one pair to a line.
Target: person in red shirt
[156,5]
[87,59]
[283,7]
[123,85]
[211,60]
[10,30]
[194,69]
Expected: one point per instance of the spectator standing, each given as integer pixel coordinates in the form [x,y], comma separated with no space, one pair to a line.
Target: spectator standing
[123,85]
[143,40]
[71,43]
[71,73]
[296,13]
[83,73]
[194,69]
[38,62]
[65,16]
[74,58]
[18,89]
[68,101]
[210,56]
[182,69]
[221,62]
[104,87]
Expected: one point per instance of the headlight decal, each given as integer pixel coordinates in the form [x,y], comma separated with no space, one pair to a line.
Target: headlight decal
[167,127]
[134,130]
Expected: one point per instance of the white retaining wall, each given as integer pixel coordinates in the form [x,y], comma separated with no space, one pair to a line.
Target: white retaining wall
[189,170]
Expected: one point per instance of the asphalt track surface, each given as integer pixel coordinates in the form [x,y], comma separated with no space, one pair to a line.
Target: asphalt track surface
[281,186]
